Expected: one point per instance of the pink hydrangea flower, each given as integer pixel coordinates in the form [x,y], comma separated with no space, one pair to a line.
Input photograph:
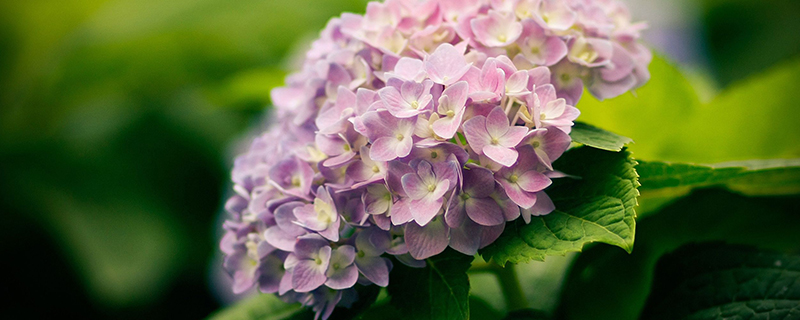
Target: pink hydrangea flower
[421,125]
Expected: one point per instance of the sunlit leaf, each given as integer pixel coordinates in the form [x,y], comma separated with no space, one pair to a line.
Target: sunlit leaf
[753,119]
[598,138]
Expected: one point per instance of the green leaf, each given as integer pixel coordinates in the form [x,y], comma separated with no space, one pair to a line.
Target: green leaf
[663,181]
[598,138]
[596,207]
[758,177]
[716,281]
[261,307]
[704,215]
[753,119]
[438,291]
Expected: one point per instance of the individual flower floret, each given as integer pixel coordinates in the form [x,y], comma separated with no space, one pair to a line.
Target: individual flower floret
[321,216]
[494,137]
[427,186]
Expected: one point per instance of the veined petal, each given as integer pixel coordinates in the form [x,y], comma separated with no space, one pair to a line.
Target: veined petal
[484,211]
[516,194]
[502,155]
[343,278]
[425,209]
[384,149]
[533,181]
[476,134]
[428,241]
[308,275]
[466,239]
[446,65]
[497,123]
[375,269]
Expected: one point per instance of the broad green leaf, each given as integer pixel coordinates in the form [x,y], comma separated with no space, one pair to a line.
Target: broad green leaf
[753,119]
[713,281]
[598,206]
[705,215]
[598,138]
[663,182]
[438,291]
[758,177]
[262,307]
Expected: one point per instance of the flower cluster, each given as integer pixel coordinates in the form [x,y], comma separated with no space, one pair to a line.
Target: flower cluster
[418,126]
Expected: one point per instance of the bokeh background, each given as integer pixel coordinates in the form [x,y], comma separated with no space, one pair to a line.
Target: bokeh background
[119,120]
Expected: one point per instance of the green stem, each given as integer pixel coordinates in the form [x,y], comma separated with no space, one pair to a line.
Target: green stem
[509,284]
[508,280]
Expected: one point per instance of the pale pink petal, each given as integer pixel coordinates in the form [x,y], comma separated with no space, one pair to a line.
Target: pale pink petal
[513,137]
[497,123]
[516,194]
[384,149]
[533,181]
[446,65]
[502,155]
[476,134]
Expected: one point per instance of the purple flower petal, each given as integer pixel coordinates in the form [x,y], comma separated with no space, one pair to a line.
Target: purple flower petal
[271,271]
[308,275]
[279,238]
[372,241]
[516,194]
[466,239]
[425,209]
[490,234]
[478,182]
[342,274]
[375,269]
[401,213]
[484,211]
[476,134]
[427,241]
[533,181]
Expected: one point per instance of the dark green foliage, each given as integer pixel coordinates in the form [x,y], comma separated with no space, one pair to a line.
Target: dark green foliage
[608,284]
[438,291]
[715,281]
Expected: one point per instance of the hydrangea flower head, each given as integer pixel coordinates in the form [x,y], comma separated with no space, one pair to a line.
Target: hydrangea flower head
[421,125]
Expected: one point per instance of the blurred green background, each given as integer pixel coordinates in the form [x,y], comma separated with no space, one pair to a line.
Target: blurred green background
[119,120]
